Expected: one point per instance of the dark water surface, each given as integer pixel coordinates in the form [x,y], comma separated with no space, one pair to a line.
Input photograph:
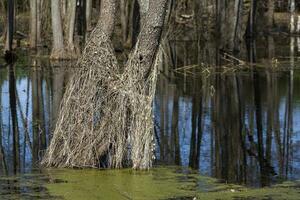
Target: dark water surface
[238,122]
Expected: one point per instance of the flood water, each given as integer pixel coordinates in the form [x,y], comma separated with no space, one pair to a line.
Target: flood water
[234,120]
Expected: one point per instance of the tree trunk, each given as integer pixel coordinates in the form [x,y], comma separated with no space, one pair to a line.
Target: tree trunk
[144,6]
[35,23]
[124,18]
[293,16]
[63,7]
[149,37]
[99,61]
[251,21]
[14,119]
[4,16]
[230,23]
[141,72]
[39,23]
[10,22]
[88,14]
[58,51]
[71,48]
[97,90]
[270,15]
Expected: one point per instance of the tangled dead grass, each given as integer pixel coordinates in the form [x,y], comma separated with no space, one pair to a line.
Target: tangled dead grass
[106,115]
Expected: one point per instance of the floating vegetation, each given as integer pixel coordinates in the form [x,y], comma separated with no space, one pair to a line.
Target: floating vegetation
[29,186]
[159,183]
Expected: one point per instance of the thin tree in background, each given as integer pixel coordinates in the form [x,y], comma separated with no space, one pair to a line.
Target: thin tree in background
[3,14]
[10,31]
[71,48]
[35,23]
[58,51]
[88,14]
[270,15]
[293,16]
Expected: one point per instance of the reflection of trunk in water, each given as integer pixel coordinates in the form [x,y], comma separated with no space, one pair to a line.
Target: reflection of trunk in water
[288,118]
[25,121]
[174,129]
[57,91]
[227,119]
[264,165]
[14,119]
[242,136]
[35,117]
[43,144]
[272,108]
[216,128]
[162,120]
[38,115]
[2,153]
[196,135]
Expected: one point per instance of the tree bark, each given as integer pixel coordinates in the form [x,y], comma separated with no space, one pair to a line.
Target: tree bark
[149,37]
[10,22]
[88,14]
[58,40]
[144,6]
[107,17]
[124,18]
[293,16]
[71,48]
[39,23]
[270,15]
[35,23]
[14,119]
[4,16]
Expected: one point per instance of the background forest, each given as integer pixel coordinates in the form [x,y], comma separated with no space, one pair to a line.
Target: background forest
[204,94]
[61,27]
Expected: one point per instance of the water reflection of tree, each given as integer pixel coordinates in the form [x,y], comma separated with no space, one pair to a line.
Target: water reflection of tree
[38,117]
[14,119]
[249,142]
[32,95]
[2,153]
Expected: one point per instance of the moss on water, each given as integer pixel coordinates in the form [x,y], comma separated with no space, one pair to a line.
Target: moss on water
[159,183]
[120,184]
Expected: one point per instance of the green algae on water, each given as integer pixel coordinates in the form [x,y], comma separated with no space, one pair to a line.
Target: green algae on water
[158,183]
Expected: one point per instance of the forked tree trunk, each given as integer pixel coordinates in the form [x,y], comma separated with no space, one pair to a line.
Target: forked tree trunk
[58,51]
[84,139]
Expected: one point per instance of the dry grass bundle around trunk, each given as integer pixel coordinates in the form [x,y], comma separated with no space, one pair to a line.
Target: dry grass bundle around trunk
[105,117]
